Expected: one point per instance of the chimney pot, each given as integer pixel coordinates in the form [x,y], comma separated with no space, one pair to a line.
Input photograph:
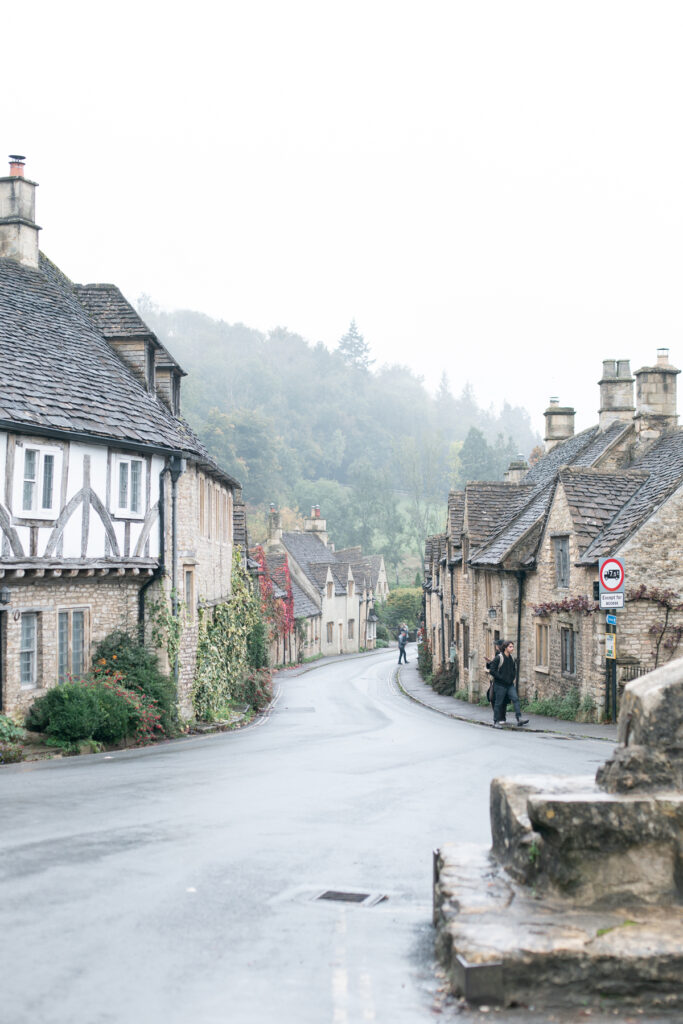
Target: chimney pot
[554,400]
[662,357]
[16,165]
[609,368]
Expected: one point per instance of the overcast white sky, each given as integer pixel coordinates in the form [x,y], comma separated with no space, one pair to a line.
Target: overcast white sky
[490,188]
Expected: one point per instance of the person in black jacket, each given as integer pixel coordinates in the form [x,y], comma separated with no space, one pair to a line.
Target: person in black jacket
[503,668]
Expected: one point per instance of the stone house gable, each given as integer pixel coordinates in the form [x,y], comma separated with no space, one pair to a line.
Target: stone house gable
[613,489]
[107,497]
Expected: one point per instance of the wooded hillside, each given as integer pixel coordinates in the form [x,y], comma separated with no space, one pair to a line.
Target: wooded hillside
[299,425]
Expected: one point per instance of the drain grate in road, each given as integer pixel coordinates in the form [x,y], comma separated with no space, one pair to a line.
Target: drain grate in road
[344,897]
[368,899]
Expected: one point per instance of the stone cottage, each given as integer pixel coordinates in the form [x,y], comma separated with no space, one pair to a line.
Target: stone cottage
[519,557]
[107,499]
[340,587]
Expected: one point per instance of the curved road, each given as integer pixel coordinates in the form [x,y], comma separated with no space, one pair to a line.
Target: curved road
[178,883]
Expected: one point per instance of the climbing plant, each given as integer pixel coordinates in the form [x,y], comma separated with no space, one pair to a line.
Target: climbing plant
[166,629]
[223,644]
[666,633]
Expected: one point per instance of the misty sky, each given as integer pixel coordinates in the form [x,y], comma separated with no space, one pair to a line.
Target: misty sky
[490,188]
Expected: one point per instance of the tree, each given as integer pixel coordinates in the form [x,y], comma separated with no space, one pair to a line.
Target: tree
[354,350]
[403,604]
[476,458]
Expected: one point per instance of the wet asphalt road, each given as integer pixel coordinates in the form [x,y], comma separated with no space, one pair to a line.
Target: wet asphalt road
[178,883]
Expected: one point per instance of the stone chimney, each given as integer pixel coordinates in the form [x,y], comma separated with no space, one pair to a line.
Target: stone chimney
[559,423]
[18,230]
[274,525]
[314,524]
[616,393]
[656,399]
[516,471]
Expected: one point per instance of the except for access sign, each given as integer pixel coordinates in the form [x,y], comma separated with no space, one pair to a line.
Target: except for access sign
[611,600]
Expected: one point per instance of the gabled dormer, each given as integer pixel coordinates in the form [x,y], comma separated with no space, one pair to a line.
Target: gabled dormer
[128,335]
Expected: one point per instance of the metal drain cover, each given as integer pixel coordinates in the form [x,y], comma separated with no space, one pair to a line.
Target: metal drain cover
[368,899]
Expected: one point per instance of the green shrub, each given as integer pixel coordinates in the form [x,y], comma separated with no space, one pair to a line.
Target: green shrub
[381,643]
[382,632]
[99,708]
[10,753]
[257,688]
[424,659]
[68,712]
[445,682]
[564,706]
[10,732]
[138,669]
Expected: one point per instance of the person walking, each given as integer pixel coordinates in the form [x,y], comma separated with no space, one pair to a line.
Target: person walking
[402,641]
[503,668]
[490,692]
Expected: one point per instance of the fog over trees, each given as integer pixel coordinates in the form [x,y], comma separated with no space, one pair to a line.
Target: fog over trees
[299,425]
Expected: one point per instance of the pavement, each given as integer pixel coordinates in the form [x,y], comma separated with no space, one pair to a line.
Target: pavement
[411,683]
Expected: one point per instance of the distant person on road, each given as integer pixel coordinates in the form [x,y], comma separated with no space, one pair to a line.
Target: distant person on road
[402,641]
[503,668]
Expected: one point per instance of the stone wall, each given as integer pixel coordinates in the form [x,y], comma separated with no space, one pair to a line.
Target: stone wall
[110,603]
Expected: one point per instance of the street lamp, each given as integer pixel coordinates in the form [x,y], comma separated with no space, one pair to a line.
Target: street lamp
[5,595]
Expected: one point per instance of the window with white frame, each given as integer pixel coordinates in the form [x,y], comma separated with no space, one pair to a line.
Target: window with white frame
[351,628]
[37,481]
[71,643]
[330,632]
[28,650]
[128,486]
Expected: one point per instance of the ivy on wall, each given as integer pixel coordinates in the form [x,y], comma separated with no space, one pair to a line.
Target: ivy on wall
[222,649]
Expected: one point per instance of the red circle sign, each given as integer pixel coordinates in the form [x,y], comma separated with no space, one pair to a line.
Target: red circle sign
[612,574]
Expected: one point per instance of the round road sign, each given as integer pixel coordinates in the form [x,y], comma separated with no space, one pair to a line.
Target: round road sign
[611,575]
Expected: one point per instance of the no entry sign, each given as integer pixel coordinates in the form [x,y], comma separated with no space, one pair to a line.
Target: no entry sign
[611,575]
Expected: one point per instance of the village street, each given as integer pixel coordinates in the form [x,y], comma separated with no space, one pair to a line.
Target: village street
[177,883]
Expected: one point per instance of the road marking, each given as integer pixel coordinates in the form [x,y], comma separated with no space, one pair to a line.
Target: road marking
[340,975]
[367,1001]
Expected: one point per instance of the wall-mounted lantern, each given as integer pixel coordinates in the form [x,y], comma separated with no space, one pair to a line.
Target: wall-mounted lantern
[5,595]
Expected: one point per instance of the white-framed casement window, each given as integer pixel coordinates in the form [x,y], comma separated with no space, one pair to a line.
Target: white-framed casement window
[72,644]
[542,638]
[128,486]
[37,481]
[28,649]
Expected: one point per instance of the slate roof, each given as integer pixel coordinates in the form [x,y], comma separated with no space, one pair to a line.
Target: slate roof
[303,606]
[58,372]
[111,312]
[490,505]
[664,465]
[307,547]
[275,564]
[594,499]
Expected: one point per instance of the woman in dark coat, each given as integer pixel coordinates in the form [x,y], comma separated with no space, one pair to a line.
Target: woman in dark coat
[503,668]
